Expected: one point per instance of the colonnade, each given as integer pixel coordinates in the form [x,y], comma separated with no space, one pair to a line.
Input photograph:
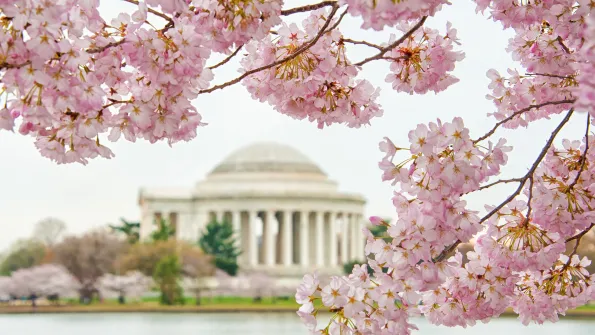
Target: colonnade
[289,237]
[305,238]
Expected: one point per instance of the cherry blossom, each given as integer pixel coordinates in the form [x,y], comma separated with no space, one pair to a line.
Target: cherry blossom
[74,81]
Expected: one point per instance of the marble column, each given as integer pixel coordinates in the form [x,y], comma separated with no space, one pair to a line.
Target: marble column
[287,240]
[319,239]
[304,236]
[236,223]
[219,216]
[332,240]
[252,239]
[344,239]
[269,238]
[354,225]
[360,237]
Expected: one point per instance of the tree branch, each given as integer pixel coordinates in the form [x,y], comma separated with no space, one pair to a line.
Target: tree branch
[522,182]
[308,8]
[5,65]
[296,53]
[583,156]
[517,113]
[227,59]
[336,23]
[395,43]
[579,235]
[501,181]
[549,75]
[561,42]
[152,11]
[376,46]
[103,48]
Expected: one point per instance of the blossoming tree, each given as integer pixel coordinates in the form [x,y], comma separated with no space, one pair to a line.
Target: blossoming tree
[69,78]
[49,280]
[133,285]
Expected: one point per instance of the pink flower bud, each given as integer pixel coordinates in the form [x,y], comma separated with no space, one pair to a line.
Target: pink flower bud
[376,220]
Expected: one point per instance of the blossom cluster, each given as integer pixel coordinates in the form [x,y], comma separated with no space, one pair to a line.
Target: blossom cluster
[41,281]
[424,62]
[380,13]
[317,83]
[563,199]
[585,91]
[235,22]
[67,88]
[518,260]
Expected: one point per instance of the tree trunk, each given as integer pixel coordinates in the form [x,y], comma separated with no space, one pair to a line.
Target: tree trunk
[197,297]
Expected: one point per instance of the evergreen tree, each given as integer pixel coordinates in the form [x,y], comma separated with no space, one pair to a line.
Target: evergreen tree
[219,242]
[130,229]
[164,231]
[167,274]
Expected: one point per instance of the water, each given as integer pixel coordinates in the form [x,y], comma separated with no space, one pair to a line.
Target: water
[245,324]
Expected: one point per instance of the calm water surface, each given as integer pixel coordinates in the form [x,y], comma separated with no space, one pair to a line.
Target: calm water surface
[245,324]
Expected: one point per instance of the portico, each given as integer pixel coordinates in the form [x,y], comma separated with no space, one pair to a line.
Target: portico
[288,216]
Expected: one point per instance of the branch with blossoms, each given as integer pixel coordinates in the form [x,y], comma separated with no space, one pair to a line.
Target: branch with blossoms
[69,79]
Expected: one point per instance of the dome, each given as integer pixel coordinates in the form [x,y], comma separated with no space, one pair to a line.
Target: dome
[267,157]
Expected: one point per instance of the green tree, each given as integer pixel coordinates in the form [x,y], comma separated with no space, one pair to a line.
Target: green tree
[381,231]
[167,274]
[218,241]
[164,231]
[130,229]
[348,267]
[23,254]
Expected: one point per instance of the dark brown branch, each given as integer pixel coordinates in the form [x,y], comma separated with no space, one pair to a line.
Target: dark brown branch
[581,234]
[522,182]
[501,181]
[583,156]
[517,113]
[152,11]
[227,59]
[395,43]
[308,8]
[13,66]
[348,40]
[529,173]
[561,42]
[529,197]
[337,23]
[296,53]
[549,75]
[103,48]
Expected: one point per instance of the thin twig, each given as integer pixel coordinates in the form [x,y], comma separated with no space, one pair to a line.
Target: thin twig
[109,45]
[13,66]
[583,156]
[152,11]
[337,23]
[517,113]
[296,53]
[579,235]
[395,43]
[561,42]
[522,182]
[501,181]
[529,197]
[227,59]
[308,8]
[549,75]
[536,163]
[349,40]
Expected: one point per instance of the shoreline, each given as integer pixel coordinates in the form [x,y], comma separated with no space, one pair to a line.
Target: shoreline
[127,309]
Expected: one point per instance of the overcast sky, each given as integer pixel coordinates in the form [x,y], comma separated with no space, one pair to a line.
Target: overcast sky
[33,187]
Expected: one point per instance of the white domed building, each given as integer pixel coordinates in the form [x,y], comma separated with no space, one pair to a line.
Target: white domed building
[290,218]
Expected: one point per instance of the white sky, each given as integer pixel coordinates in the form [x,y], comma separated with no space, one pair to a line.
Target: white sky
[32,187]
